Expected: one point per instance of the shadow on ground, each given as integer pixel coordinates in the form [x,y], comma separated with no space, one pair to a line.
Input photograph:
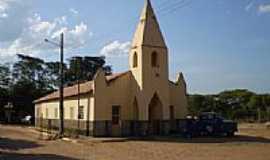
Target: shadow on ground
[16,144]
[235,139]
[16,156]
[179,139]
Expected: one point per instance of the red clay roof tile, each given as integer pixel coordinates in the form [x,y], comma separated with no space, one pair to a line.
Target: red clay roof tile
[86,87]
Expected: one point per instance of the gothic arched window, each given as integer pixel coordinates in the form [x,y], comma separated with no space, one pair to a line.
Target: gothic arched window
[154,59]
[135,60]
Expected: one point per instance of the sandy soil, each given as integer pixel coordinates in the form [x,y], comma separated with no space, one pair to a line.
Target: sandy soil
[22,143]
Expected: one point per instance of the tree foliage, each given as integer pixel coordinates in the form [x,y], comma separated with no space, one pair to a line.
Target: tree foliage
[5,75]
[30,78]
[235,104]
[84,68]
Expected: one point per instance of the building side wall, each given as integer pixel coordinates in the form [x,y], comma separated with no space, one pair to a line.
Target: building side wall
[47,109]
[112,93]
[178,99]
[47,118]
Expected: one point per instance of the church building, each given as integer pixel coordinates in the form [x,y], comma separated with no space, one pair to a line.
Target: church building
[141,101]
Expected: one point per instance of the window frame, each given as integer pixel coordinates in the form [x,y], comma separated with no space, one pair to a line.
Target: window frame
[81,112]
[154,59]
[71,112]
[47,113]
[38,112]
[135,60]
[116,113]
[56,113]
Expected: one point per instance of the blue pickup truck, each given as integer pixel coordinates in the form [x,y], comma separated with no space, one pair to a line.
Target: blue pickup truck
[208,124]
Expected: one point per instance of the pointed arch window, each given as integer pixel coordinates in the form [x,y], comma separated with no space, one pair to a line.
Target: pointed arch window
[135,60]
[154,59]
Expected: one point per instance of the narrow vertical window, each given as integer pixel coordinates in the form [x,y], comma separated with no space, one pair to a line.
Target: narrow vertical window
[71,116]
[154,59]
[135,60]
[47,113]
[81,112]
[55,113]
[115,115]
[38,112]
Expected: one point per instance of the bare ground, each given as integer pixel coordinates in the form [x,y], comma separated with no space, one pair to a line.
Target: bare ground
[22,143]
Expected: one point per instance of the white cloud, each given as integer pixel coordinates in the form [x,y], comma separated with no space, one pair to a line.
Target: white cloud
[22,31]
[4,5]
[3,15]
[115,49]
[74,11]
[31,39]
[13,14]
[264,8]
[61,20]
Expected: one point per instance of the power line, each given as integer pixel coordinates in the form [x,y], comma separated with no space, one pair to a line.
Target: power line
[167,5]
[175,8]
[163,3]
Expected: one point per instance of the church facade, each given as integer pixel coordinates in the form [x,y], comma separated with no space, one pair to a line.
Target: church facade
[141,101]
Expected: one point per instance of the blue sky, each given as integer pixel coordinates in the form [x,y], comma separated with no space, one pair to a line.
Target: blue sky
[217,44]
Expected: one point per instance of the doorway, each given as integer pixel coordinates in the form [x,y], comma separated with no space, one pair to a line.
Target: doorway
[155,116]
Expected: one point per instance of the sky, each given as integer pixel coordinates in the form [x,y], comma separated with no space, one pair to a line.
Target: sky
[217,44]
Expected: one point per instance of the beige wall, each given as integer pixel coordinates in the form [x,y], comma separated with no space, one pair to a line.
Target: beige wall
[123,91]
[69,103]
[108,94]
[178,100]
[155,79]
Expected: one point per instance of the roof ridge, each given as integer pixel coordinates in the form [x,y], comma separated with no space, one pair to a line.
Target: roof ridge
[70,91]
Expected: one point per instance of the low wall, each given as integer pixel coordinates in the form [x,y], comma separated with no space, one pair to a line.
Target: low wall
[105,128]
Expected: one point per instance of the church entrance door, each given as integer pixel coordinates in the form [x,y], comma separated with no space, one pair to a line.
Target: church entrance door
[155,116]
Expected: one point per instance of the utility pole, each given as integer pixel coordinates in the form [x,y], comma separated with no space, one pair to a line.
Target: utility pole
[61,88]
[61,103]
[78,81]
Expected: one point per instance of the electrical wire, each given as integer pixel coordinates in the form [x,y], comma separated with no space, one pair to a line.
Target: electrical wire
[178,6]
[169,4]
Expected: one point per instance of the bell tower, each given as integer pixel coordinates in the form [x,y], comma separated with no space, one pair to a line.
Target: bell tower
[148,57]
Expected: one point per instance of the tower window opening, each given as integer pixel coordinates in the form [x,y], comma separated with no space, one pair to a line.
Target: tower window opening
[135,60]
[154,59]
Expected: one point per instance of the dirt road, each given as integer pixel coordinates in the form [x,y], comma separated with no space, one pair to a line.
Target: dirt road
[18,143]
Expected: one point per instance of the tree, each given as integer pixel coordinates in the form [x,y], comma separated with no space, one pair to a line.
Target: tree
[52,74]
[5,83]
[30,83]
[84,68]
[233,104]
[5,76]
[4,98]
[255,102]
[196,103]
[267,104]
[31,78]
[28,68]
